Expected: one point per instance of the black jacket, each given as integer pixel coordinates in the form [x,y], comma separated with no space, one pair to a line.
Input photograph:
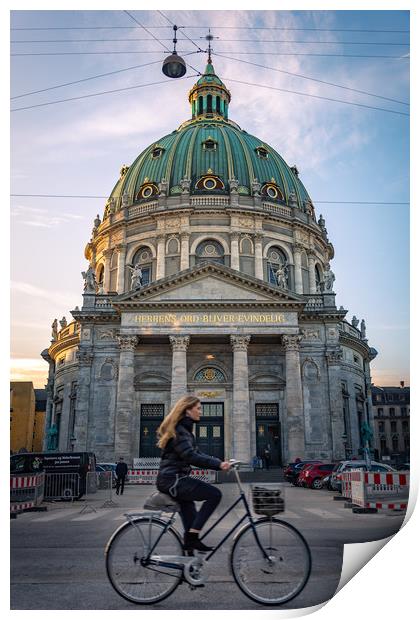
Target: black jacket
[121,470]
[180,452]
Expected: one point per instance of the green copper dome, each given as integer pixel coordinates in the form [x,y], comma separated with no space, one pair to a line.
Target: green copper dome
[210,154]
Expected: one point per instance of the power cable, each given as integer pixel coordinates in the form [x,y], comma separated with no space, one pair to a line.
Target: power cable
[183,33]
[259,41]
[406,57]
[105,92]
[305,77]
[349,202]
[92,77]
[285,90]
[156,39]
[217,27]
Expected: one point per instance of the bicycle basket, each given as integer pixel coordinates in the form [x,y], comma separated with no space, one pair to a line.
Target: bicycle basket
[267,500]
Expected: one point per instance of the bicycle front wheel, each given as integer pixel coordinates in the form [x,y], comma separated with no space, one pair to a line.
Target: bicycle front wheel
[281,574]
[129,576]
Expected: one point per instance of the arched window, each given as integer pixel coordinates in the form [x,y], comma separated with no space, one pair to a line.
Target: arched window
[100,277]
[209,103]
[218,105]
[143,256]
[318,279]
[210,250]
[276,258]
[200,105]
[113,270]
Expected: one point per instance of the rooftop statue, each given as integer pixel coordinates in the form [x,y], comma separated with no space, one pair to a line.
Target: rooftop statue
[281,275]
[90,280]
[329,278]
[54,328]
[136,276]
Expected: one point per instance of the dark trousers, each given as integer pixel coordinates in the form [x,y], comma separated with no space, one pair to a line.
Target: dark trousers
[120,483]
[189,490]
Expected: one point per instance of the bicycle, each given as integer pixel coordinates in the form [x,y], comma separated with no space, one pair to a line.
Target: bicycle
[270,559]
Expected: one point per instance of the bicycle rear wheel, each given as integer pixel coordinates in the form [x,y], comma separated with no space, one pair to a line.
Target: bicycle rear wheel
[280,578]
[140,584]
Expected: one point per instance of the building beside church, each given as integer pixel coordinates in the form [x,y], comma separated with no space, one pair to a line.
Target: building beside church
[209,274]
[391,410]
[27,417]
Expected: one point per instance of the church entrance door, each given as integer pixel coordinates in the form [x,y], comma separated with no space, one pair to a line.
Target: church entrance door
[268,431]
[150,420]
[209,432]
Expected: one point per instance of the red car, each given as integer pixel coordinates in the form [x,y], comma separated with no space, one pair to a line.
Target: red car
[311,476]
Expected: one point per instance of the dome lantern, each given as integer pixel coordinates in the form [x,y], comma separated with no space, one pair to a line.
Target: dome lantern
[209,97]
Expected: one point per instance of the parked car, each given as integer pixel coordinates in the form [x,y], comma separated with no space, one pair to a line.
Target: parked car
[293,470]
[107,467]
[343,466]
[326,482]
[311,475]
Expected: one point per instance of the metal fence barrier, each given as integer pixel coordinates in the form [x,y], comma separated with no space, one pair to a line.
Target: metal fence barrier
[98,491]
[62,486]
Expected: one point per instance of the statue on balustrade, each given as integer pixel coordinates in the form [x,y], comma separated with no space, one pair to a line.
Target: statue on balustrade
[136,276]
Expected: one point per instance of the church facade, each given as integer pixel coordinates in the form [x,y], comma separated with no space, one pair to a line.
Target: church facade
[209,274]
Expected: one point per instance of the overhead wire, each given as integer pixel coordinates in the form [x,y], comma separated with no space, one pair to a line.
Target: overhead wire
[305,77]
[113,52]
[352,202]
[218,27]
[294,92]
[105,92]
[259,41]
[156,39]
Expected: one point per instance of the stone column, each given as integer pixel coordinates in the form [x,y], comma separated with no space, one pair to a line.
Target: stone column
[259,269]
[107,271]
[125,397]
[312,279]
[179,367]
[160,261]
[294,399]
[240,409]
[121,249]
[185,250]
[297,257]
[49,388]
[234,250]
[85,359]
[336,405]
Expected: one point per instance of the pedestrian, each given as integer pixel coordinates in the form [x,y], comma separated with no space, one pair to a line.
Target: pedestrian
[179,452]
[121,472]
[267,457]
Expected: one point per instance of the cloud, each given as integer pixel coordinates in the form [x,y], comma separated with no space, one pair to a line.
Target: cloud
[53,296]
[29,369]
[42,218]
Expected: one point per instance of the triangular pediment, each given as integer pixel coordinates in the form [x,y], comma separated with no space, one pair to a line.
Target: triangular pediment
[208,283]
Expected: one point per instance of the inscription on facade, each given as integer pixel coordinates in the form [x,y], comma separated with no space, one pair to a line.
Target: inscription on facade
[178,319]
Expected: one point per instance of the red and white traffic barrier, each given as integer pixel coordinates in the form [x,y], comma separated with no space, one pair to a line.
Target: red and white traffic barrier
[379,490]
[26,491]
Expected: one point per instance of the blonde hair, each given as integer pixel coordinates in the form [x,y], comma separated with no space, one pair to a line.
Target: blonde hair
[166,430]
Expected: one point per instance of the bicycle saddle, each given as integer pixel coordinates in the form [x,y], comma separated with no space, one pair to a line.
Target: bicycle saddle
[161,501]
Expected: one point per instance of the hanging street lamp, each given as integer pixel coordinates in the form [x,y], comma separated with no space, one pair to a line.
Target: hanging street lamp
[173,65]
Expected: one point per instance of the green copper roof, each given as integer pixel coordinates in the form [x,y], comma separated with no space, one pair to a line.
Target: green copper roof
[183,154]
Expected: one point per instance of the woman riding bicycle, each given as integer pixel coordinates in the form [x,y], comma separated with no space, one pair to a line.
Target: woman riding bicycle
[179,452]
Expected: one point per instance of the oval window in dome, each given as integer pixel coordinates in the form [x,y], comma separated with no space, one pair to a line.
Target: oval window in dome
[272,191]
[147,191]
[209,183]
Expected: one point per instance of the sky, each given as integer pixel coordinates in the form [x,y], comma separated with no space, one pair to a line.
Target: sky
[345,153]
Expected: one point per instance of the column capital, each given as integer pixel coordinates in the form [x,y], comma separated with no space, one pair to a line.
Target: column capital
[84,358]
[291,342]
[240,343]
[234,235]
[179,343]
[334,357]
[185,234]
[298,247]
[311,254]
[108,252]
[120,247]
[161,237]
[127,343]
[258,237]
